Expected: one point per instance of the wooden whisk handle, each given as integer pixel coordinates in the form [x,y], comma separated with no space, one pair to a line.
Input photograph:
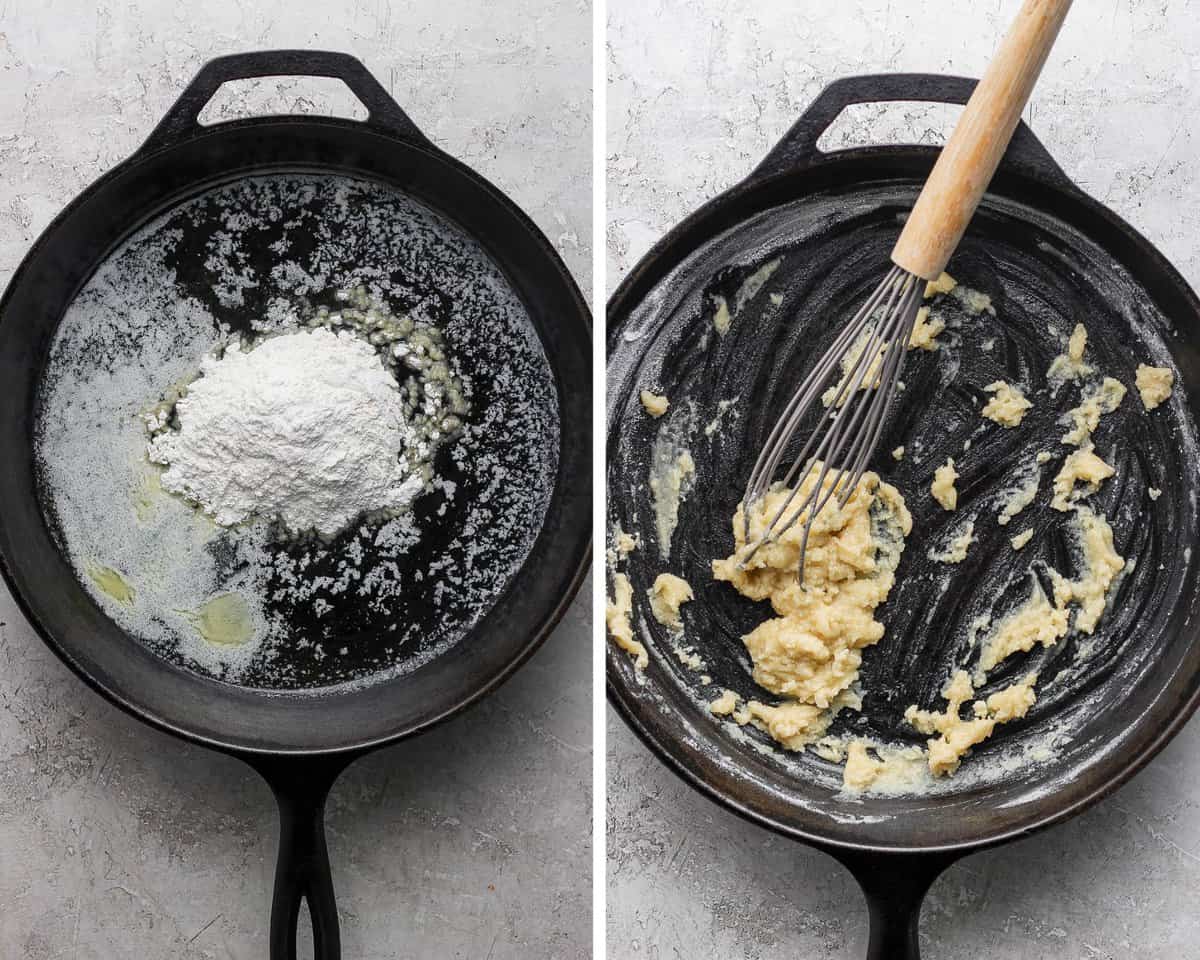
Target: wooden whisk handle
[967,162]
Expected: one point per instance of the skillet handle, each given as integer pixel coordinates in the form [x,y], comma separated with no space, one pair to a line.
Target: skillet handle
[182,120]
[300,785]
[798,149]
[894,885]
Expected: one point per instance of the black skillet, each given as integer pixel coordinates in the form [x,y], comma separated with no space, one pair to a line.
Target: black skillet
[299,740]
[1047,254]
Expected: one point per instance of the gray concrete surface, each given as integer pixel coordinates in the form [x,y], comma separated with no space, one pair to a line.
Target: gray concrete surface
[698,92]
[470,842]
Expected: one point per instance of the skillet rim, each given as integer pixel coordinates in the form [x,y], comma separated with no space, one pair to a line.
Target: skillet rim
[752,196]
[575,511]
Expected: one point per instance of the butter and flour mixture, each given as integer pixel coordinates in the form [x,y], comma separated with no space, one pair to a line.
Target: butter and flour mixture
[810,654]
[297,431]
[811,651]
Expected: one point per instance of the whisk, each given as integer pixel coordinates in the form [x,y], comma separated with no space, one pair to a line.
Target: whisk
[869,351]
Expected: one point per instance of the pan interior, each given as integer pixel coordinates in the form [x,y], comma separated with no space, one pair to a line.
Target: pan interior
[385,595]
[1043,277]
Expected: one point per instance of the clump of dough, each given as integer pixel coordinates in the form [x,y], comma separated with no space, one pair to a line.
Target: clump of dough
[811,651]
[1154,384]
[925,331]
[943,284]
[890,770]
[625,543]
[942,488]
[1095,403]
[655,404]
[1021,496]
[667,595]
[974,301]
[1021,539]
[794,725]
[1102,565]
[1082,466]
[722,318]
[866,380]
[955,735]
[1037,620]
[956,549]
[1007,405]
[621,545]
[898,454]
[724,705]
[688,656]
[617,617]
[862,769]
[1070,365]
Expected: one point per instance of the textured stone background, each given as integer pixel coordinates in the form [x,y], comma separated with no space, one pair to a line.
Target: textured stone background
[472,841]
[697,94]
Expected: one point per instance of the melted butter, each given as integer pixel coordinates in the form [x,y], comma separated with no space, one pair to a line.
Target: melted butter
[158,415]
[111,582]
[149,490]
[224,620]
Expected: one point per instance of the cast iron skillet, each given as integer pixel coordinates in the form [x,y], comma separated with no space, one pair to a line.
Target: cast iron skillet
[298,740]
[1047,254]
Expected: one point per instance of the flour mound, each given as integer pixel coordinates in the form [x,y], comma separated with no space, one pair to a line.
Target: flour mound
[307,427]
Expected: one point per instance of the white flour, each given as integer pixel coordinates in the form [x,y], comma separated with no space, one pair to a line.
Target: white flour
[307,427]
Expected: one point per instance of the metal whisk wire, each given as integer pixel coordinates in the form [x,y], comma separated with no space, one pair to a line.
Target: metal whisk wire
[845,436]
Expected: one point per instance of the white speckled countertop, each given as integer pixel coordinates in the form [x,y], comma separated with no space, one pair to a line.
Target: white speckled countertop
[698,92]
[471,841]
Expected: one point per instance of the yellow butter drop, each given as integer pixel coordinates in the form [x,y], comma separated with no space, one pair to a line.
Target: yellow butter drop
[224,620]
[111,583]
[149,488]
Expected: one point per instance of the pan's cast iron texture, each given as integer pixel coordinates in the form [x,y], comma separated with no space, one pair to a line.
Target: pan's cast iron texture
[300,739]
[1050,257]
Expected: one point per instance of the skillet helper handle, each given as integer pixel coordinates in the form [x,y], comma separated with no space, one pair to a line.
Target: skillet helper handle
[971,155]
[182,123]
[798,150]
[894,886]
[301,785]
